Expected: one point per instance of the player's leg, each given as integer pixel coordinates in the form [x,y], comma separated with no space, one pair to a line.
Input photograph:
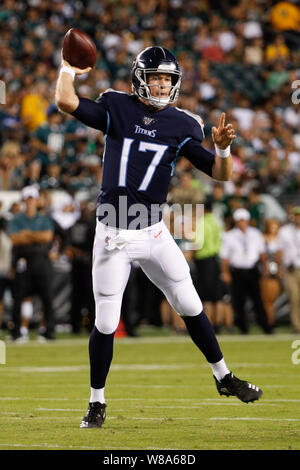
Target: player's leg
[168,269]
[111,271]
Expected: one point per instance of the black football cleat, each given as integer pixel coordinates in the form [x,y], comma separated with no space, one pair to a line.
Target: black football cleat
[95,416]
[232,386]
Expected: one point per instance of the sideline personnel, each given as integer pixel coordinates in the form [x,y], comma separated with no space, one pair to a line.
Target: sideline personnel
[31,234]
[288,256]
[242,250]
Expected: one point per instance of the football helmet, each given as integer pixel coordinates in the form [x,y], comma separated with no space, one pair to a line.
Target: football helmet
[155,60]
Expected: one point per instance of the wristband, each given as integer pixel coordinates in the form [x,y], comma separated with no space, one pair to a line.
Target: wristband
[67,69]
[222,153]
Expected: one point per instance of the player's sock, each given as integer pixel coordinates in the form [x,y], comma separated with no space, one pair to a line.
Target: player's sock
[203,335]
[101,353]
[219,369]
[97,394]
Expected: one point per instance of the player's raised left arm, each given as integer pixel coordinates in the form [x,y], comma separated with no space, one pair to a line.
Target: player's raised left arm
[223,136]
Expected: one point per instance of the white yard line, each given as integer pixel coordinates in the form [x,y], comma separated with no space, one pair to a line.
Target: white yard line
[253,419]
[116,367]
[189,385]
[162,340]
[194,406]
[142,399]
[50,418]
[3,444]
[142,367]
[58,409]
[158,418]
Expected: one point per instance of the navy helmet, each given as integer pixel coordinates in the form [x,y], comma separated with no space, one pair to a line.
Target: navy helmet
[155,60]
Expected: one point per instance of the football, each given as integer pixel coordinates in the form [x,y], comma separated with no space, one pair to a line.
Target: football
[79,49]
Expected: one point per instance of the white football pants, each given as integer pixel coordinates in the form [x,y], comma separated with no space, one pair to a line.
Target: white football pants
[159,257]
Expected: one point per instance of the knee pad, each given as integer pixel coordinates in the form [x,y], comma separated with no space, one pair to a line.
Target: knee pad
[184,299]
[108,310]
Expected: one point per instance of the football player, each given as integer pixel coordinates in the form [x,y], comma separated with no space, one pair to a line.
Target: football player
[144,136]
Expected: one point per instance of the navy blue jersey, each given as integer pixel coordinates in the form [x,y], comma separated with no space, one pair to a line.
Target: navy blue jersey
[141,149]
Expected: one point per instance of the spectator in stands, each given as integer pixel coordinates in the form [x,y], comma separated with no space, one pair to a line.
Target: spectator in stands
[277,77]
[188,191]
[277,50]
[289,259]
[256,208]
[34,106]
[254,53]
[217,200]
[31,234]
[213,51]
[65,214]
[285,16]
[233,202]
[49,139]
[32,173]
[242,250]
[11,166]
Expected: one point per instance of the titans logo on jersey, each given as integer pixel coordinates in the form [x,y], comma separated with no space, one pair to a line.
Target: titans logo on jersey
[141,149]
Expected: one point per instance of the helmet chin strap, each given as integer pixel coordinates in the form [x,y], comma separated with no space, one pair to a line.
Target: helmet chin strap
[158,101]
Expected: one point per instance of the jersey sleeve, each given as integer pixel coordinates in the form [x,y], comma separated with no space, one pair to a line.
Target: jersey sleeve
[92,113]
[192,149]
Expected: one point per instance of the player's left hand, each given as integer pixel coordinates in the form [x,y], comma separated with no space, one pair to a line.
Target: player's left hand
[224,135]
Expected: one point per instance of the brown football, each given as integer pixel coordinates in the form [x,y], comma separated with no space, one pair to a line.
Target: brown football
[79,49]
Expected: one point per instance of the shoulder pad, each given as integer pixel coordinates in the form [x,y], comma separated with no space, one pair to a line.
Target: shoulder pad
[196,117]
[111,90]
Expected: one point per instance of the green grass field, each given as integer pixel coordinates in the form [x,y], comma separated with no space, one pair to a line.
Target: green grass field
[160,395]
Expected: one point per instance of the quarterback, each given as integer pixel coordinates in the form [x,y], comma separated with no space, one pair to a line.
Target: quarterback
[144,136]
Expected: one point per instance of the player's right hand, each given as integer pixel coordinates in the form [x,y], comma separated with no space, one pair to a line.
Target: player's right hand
[76,69]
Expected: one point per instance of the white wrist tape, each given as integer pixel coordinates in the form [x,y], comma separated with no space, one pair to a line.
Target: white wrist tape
[222,153]
[67,69]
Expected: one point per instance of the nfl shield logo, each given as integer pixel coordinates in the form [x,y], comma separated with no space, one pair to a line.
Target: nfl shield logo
[147,120]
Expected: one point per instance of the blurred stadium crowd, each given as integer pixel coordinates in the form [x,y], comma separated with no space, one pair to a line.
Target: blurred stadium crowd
[237,56]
